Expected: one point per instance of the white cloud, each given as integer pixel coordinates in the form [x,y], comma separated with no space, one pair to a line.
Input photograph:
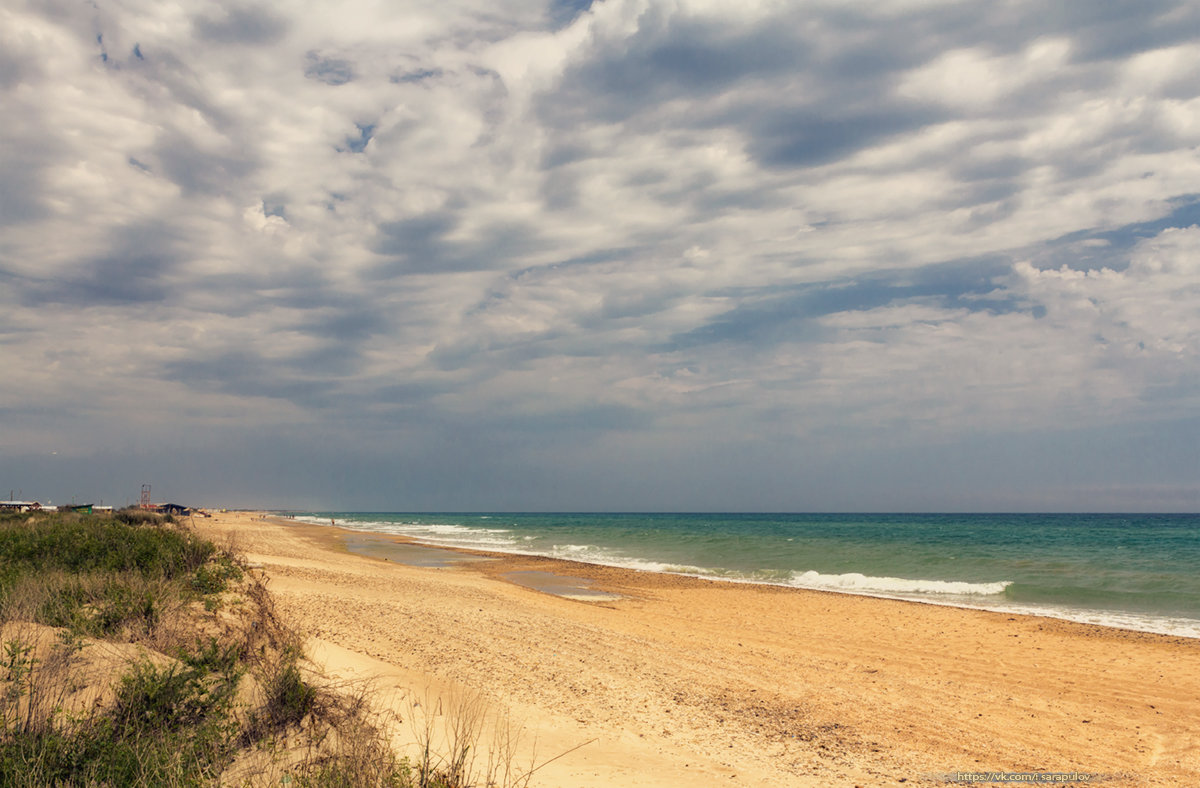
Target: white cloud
[975,79]
[1150,308]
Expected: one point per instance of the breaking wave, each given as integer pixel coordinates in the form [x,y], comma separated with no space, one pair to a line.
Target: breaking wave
[864,584]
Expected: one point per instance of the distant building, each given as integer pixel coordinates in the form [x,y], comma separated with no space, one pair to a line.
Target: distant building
[19,506]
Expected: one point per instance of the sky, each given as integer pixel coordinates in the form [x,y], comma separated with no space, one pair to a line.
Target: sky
[630,255]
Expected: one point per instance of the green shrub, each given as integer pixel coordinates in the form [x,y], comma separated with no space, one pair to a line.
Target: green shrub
[92,543]
[289,698]
[164,699]
[96,604]
[214,577]
[169,726]
[134,516]
[32,760]
[99,575]
[123,604]
[376,769]
[212,657]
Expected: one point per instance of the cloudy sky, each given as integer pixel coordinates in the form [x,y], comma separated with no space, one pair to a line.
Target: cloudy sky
[620,255]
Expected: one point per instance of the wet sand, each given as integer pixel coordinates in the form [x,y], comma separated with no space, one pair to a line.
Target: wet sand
[683,681]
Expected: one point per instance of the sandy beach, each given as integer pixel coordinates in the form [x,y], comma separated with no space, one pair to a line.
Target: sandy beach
[661,680]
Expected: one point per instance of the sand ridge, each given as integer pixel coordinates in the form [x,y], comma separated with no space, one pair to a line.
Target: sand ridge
[684,680]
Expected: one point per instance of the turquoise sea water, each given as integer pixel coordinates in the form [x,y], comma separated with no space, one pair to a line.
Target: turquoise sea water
[1131,571]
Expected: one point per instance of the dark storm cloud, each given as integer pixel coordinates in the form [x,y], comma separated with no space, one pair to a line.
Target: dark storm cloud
[1099,31]
[411,393]
[422,245]
[247,374]
[27,153]
[812,57]
[564,152]
[1001,168]
[302,299]
[564,12]
[330,70]
[20,188]
[1111,30]
[811,136]
[420,240]
[416,76]
[829,100]
[129,278]
[331,359]
[352,322]
[12,70]
[134,269]
[667,59]
[195,169]
[275,206]
[778,315]
[124,278]
[242,25]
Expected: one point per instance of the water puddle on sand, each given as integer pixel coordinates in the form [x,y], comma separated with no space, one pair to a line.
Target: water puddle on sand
[560,585]
[566,586]
[407,554]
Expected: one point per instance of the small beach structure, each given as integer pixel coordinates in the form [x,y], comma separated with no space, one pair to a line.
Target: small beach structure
[19,506]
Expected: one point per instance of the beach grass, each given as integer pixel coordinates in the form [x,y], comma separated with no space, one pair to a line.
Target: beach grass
[135,653]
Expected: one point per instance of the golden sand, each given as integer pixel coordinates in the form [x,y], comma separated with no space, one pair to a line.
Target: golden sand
[687,682]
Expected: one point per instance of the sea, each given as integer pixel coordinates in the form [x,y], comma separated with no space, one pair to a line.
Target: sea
[1131,571]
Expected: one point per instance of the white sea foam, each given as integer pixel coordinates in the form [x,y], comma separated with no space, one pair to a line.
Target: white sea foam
[440,534]
[1163,625]
[950,594]
[594,554]
[865,584]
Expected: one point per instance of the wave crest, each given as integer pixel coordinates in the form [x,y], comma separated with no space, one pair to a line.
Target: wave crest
[853,581]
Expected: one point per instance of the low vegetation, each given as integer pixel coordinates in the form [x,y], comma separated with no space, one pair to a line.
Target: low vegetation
[134,653]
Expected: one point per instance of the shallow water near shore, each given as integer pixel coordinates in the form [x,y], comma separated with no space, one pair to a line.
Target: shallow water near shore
[381,547]
[1129,571]
[565,586]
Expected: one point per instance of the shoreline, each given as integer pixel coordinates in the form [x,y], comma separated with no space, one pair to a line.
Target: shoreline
[1156,624]
[758,685]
